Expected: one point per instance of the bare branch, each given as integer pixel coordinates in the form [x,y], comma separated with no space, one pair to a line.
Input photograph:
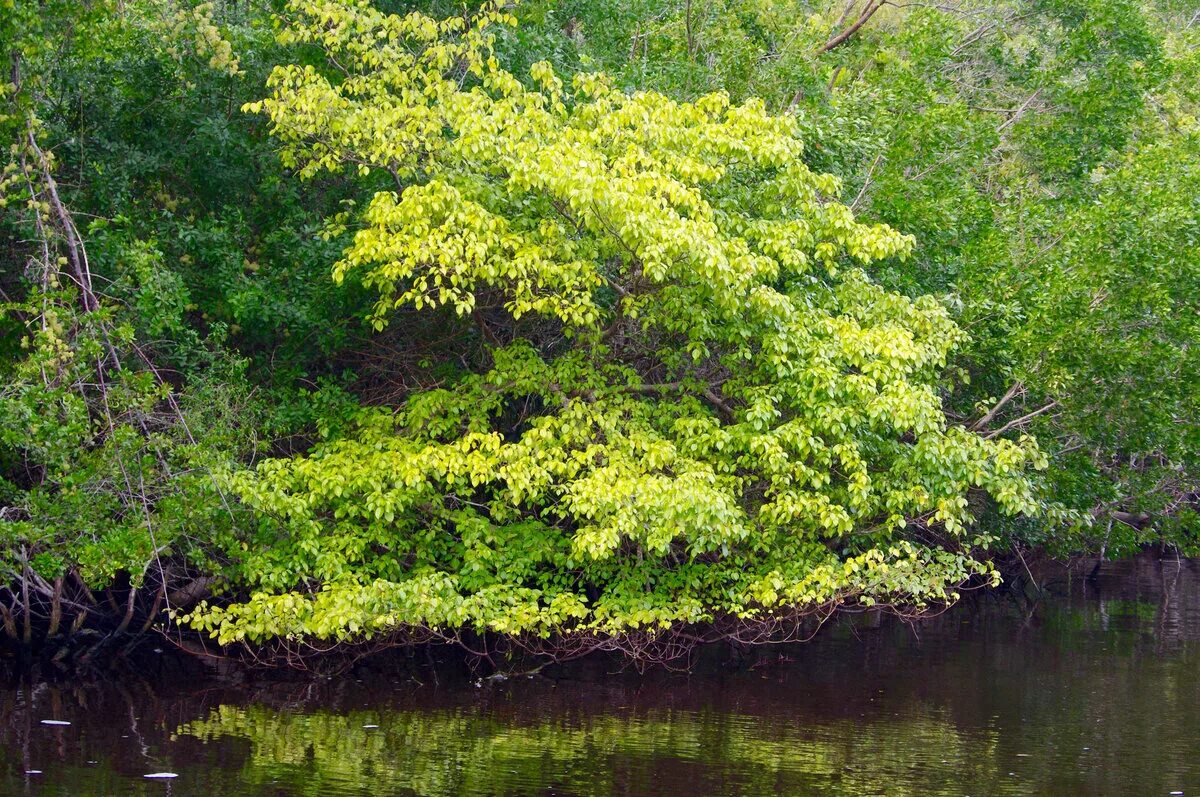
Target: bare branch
[841,38]
[1021,421]
[866,183]
[1017,388]
[76,253]
[1019,112]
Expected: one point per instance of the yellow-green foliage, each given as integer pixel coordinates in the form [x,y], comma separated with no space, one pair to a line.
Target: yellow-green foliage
[207,40]
[701,406]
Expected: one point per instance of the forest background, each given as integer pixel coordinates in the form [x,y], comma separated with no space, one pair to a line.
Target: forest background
[587,324]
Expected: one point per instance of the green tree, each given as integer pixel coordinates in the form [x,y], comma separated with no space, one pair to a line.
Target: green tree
[106,465]
[684,401]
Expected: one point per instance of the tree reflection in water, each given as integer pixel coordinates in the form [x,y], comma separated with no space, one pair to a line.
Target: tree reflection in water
[1095,691]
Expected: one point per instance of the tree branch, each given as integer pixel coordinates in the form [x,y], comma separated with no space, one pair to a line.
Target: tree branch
[76,254]
[1013,391]
[1019,112]
[841,38]
[866,183]
[1020,421]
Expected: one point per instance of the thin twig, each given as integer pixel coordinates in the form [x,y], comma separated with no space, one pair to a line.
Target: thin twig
[866,183]
[1021,421]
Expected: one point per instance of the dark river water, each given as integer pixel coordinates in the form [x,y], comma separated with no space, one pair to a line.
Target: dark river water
[1093,691]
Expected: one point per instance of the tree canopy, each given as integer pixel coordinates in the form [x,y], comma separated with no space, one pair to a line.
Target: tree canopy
[685,406]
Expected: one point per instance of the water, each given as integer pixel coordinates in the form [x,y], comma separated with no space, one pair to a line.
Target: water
[1095,692]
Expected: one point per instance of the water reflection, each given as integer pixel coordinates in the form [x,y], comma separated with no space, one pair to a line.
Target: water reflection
[1095,692]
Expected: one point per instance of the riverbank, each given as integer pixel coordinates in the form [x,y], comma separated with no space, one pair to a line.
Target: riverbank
[152,643]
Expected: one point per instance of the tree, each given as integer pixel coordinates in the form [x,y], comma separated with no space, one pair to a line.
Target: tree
[681,400]
[105,465]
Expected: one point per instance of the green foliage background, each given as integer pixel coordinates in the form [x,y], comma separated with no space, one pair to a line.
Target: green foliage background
[379,323]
